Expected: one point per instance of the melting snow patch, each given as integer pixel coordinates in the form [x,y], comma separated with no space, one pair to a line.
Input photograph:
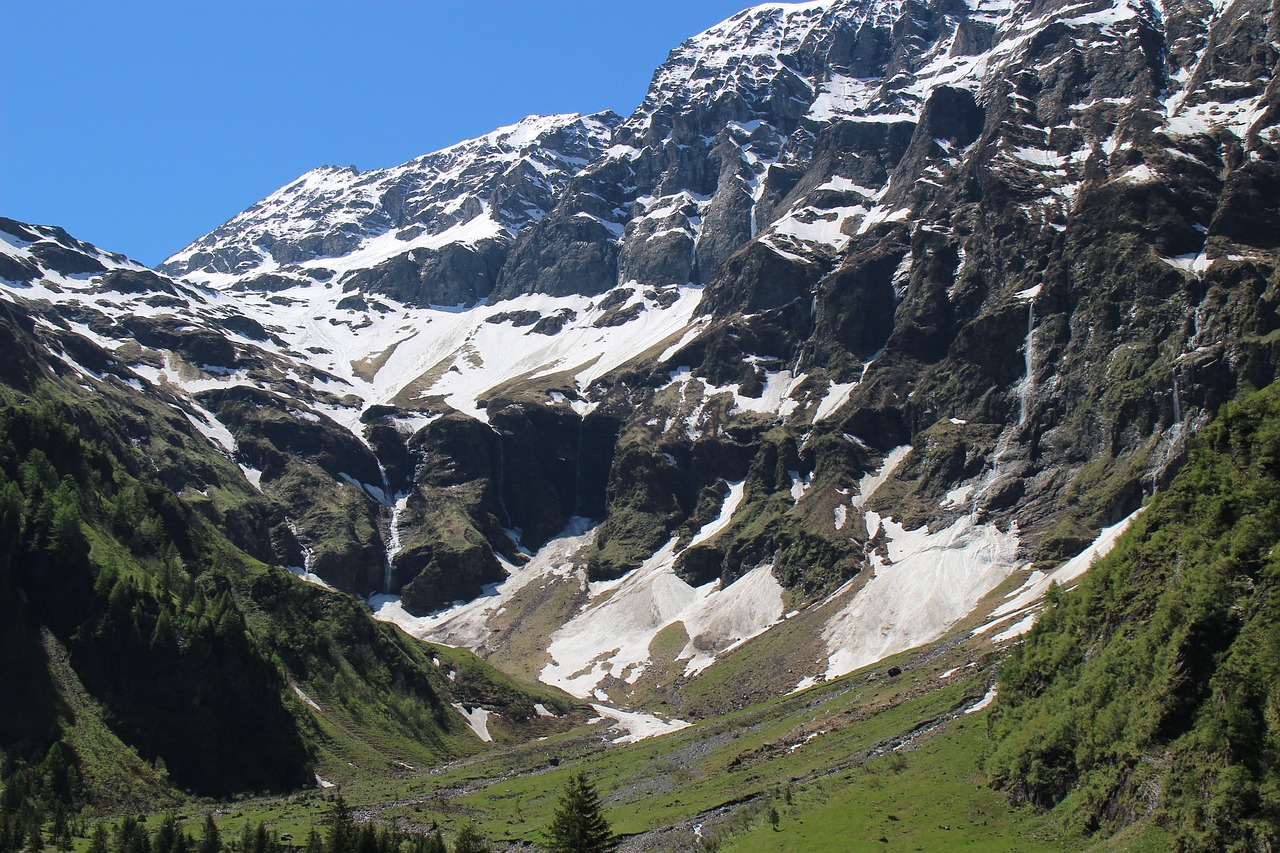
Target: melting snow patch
[638,726]
[804,684]
[931,581]
[799,484]
[1017,630]
[310,577]
[323,783]
[541,711]
[870,482]
[983,702]
[305,698]
[478,720]
[467,624]
[1034,589]
[837,395]
[611,636]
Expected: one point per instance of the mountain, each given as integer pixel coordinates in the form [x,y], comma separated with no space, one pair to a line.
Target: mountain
[868,310]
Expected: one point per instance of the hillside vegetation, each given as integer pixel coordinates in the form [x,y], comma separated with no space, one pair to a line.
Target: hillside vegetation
[153,657]
[1154,687]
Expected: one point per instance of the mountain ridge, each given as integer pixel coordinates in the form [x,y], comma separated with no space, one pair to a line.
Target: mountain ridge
[867,309]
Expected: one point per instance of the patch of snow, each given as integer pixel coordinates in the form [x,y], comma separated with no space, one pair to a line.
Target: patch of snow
[728,617]
[721,521]
[1017,630]
[875,479]
[638,726]
[477,719]
[983,702]
[956,497]
[611,636]
[467,625]
[1032,592]
[931,581]
[837,395]
[804,684]
[305,698]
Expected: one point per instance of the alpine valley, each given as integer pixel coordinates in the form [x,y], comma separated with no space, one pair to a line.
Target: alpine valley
[768,418]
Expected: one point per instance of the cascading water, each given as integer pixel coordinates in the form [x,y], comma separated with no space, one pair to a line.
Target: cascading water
[1177,404]
[577,471]
[502,478]
[394,543]
[1029,356]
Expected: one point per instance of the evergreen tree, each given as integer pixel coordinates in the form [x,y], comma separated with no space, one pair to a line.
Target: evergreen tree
[35,838]
[314,842]
[98,843]
[470,840]
[342,830]
[578,825]
[211,841]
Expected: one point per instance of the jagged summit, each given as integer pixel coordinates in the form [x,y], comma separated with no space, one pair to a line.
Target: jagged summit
[477,194]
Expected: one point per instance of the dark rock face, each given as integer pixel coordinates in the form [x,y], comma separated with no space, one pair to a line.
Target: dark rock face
[65,260]
[1035,242]
[452,275]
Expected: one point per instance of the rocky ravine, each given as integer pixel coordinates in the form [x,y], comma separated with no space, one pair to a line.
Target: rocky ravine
[867,305]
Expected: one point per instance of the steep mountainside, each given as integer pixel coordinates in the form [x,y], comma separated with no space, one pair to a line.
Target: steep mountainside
[152,639]
[1155,686]
[868,307]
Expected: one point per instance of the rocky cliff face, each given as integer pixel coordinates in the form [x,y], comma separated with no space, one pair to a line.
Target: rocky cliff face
[861,291]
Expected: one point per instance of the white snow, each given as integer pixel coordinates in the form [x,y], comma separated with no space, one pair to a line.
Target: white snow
[986,700]
[837,395]
[611,636]
[1031,593]
[477,719]
[721,521]
[932,580]
[804,684]
[466,625]
[638,726]
[875,479]
[305,698]
[730,616]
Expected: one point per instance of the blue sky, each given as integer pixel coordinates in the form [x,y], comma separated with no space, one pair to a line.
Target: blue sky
[140,126]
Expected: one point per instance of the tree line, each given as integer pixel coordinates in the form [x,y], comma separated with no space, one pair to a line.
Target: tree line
[578,826]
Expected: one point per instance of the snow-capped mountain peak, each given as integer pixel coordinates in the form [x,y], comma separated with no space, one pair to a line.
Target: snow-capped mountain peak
[488,188]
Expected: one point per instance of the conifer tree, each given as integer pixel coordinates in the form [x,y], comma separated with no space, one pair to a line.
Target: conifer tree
[211,841]
[578,825]
[470,840]
[98,843]
[342,829]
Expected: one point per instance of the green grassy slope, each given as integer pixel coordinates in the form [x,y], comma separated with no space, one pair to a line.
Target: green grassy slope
[1154,687]
[150,648]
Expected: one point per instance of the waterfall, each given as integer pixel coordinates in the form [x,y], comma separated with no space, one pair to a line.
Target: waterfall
[394,545]
[577,471]
[1177,404]
[502,478]
[1029,356]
